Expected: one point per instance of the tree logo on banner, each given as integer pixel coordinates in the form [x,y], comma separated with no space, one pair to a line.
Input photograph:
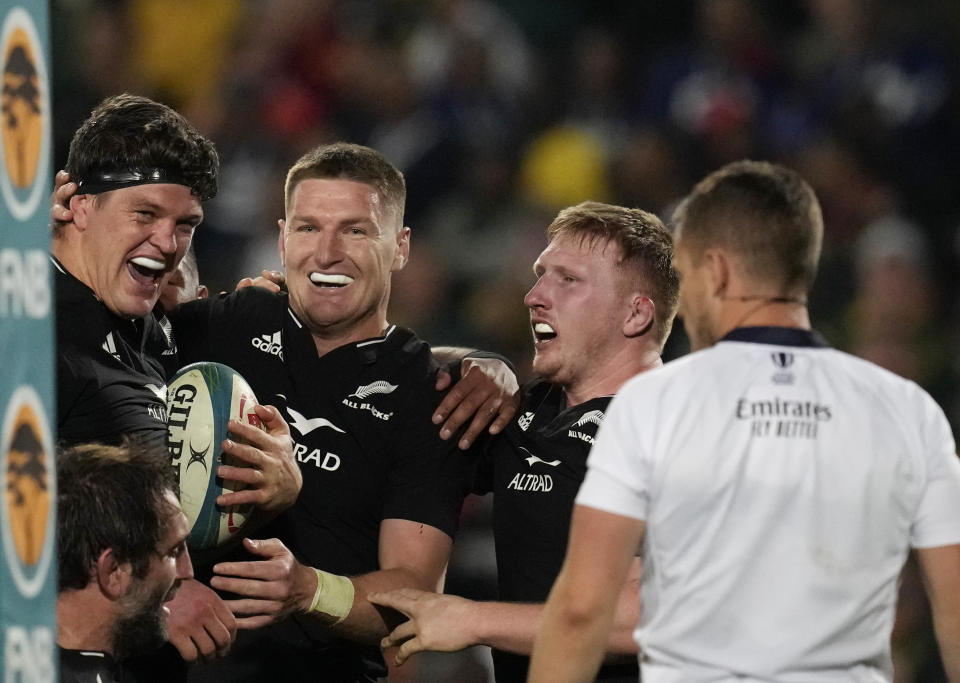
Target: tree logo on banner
[24,115]
[27,464]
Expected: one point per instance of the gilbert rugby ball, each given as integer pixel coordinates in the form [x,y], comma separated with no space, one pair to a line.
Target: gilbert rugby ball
[201,398]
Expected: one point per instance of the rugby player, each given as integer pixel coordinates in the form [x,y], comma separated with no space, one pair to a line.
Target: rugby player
[600,311]
[777,484]
[142,173]
[382,491]
[121,556]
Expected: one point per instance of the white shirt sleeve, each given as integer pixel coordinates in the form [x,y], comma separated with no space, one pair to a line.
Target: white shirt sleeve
[618,472]
[937,519]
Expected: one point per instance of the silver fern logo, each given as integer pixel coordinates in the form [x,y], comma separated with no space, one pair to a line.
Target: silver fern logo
[593,417]
[378,387]
[372,389]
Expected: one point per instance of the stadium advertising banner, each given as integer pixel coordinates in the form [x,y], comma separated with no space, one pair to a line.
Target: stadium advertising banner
[28,495]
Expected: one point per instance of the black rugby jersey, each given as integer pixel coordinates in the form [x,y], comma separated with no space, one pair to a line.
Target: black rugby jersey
[88,666]
[111,377]
[360,420]
[535,468]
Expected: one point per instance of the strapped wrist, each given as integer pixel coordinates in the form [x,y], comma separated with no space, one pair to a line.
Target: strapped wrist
[334,595]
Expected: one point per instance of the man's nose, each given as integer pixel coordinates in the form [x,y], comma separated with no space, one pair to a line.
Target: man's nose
[164,236]
[328,248]
[184,566]
[535,297]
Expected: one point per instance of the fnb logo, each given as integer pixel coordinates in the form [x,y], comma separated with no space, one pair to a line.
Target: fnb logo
[269,344]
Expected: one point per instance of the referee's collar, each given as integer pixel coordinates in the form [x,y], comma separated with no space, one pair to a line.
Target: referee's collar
[776,336]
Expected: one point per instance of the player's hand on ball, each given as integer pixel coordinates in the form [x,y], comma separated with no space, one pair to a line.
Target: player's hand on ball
[272,475]
[487,392]
[272,588]
[199,623]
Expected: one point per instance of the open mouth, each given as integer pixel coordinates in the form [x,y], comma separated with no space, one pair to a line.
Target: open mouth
[542,332]
[145,270]
[330,280]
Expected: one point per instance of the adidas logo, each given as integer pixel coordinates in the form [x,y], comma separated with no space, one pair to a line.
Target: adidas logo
[109,346]
[525,421]
[379,387]
[269,344]
[594,417]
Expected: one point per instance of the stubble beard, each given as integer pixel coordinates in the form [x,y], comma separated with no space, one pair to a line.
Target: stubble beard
[140,628]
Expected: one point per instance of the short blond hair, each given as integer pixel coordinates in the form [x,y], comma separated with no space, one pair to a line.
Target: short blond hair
[645,247]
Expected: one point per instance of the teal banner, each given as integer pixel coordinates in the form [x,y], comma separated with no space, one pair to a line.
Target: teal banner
[28,586]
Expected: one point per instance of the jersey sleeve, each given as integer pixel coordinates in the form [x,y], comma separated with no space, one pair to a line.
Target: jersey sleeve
[72,380]
[937,520]
[428,477]
[194,327]
[481,467]
[203,328]
[619,468]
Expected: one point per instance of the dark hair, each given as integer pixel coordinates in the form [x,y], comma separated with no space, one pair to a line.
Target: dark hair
[351,162]
[645,245]
[128,132]
[110,497]
[766,213]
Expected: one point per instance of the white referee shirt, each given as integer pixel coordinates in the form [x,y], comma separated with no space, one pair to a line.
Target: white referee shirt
[782,484]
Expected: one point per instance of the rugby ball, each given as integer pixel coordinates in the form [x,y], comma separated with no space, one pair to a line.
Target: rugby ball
[201,399]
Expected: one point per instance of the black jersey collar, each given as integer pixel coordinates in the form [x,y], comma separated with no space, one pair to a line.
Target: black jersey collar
[358,344]
[777,336]
[71,287]
[368,348]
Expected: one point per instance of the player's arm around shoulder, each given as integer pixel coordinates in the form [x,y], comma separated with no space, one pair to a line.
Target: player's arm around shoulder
[205,328]
[484,393]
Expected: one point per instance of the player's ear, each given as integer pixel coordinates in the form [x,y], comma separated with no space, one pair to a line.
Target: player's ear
[718,272]
[282,224]
[402,255]
[80,205]
[641,316]
[113,577]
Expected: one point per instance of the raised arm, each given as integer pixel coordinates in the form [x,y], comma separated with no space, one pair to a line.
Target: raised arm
[579,613]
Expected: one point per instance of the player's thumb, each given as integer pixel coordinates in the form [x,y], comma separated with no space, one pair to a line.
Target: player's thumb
[263,547]
[272,419]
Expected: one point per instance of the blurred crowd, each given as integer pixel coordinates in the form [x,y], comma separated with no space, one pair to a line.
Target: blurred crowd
[500,112]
